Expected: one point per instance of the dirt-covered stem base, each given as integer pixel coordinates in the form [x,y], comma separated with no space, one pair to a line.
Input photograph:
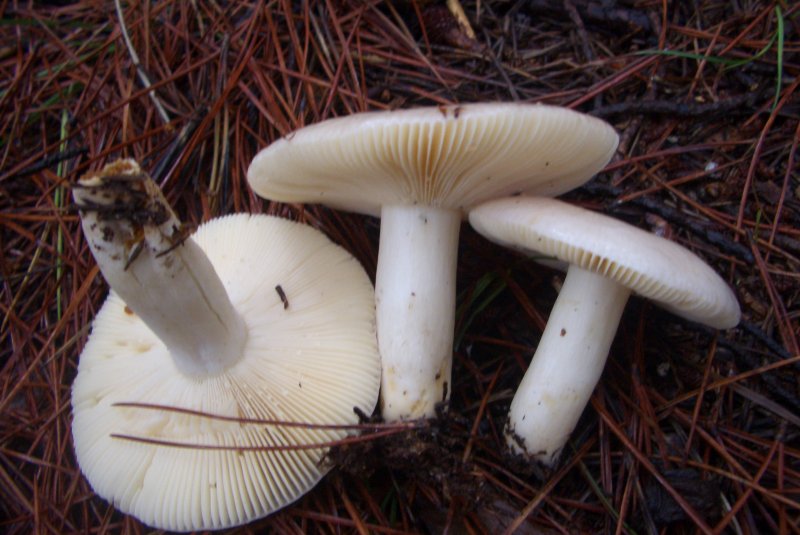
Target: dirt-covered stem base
[415,300]
[161,274]
[566,366]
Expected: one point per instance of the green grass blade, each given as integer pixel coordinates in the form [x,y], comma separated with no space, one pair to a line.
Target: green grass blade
[779,58]
[59,202]
[488,287]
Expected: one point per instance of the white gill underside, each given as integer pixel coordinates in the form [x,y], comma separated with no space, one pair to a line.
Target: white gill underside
[312,361]
[451,157]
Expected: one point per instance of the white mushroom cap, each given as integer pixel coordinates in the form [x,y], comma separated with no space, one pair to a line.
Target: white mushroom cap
[419,170]
[311,362]
[450,157]
[649,265]
[607,260]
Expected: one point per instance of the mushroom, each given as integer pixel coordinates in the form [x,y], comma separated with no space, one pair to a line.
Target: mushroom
[195,361]
[420,170]
[607,260]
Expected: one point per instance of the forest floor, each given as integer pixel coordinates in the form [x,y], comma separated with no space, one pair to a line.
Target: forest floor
[690,430]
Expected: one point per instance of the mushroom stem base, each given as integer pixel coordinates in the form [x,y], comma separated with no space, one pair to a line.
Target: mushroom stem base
[158,270]
[567,365]
[415,302]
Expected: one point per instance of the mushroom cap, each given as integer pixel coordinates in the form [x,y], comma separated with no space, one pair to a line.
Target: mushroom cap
[649,265]
[451,157]
[311,362]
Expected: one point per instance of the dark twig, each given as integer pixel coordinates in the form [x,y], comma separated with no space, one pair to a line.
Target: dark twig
[739,105]
[48,161]
[723,242]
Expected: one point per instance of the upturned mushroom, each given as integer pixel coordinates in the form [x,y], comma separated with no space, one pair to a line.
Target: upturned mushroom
[206,345]
[419,170]
[606,260]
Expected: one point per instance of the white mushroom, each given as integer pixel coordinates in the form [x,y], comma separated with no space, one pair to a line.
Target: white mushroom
[199,324]
[607,260]
[419,170]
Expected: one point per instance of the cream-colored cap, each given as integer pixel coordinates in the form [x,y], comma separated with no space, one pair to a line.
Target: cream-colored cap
[451,157]
[649,265]
[313,361]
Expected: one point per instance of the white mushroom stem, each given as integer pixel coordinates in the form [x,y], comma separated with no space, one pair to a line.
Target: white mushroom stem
[567,365]
[415,307]
[160,273]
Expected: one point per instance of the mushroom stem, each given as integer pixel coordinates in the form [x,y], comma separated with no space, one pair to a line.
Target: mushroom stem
[567,365]
[415,307]
[160,273]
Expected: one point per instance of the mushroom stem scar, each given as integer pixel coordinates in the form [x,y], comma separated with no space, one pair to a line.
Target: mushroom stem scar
[162,275]
[567,365]
[415,304]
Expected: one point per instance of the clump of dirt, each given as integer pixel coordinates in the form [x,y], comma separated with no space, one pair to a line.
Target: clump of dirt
[428,452]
